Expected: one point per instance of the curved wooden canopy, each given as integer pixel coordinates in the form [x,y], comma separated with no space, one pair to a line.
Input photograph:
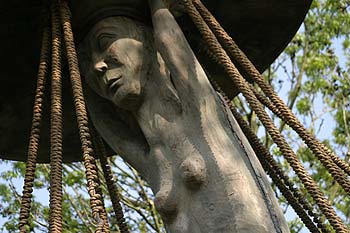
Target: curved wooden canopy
[262,29]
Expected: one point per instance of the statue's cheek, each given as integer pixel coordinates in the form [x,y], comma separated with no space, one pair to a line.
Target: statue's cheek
[96,84]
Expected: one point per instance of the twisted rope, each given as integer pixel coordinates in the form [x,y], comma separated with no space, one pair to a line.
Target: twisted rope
[96,202]
[325,159]
[328,158]
[112,188]
[294,197]
[55,219]
[35,131]
[243,86]
[317,217]
[104,217]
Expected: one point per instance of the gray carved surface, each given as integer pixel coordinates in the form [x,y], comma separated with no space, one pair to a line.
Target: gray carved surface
[151,101]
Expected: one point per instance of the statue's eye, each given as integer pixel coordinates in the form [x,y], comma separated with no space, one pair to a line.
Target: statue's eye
[113,61]
[105,40]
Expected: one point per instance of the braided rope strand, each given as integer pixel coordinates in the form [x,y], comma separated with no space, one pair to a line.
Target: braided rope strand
[331,167]
[243,86]
[55,219]
[327,157]
[97,206]
[112,188]
[35,131]
[104,217]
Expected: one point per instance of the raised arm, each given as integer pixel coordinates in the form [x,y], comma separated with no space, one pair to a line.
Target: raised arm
[186,72]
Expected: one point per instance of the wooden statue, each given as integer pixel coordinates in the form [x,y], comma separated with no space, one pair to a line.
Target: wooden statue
[156,108]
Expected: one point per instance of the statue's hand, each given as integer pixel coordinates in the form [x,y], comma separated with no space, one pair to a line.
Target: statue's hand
[158,4]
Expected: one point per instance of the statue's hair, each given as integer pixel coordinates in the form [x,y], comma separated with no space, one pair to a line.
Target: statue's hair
[129,27]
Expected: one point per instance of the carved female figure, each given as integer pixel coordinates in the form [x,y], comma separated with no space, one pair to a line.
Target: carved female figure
[153,104]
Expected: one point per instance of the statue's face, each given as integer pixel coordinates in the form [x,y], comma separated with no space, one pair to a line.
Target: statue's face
[116,68]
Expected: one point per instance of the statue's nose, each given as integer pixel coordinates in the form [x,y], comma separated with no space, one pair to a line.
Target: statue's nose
[101,67]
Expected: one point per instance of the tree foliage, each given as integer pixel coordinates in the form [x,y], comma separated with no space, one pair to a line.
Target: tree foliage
[312,76]
[136,198]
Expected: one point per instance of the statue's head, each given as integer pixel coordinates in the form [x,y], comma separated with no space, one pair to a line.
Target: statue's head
[114,59]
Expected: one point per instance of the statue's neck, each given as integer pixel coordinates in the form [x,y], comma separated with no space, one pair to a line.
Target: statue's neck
[160,105]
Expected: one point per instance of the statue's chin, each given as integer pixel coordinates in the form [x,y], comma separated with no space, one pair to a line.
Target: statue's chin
[128,101]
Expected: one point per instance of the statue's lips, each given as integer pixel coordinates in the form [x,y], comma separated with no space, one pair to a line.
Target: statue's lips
[113,85]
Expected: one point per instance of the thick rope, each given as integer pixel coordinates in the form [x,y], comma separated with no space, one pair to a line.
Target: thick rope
[331,167]
[323,153]
[35,131]
[111,186]
[55,219]
[294,197]
[97,206]
[243,86]
[104,217]
[266,102]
